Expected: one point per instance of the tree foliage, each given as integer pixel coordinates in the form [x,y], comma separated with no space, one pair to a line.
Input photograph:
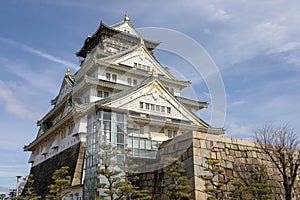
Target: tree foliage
[259,183]
[217,183]
[115,167]
[2,196]
[62,181]
[177,187]
[28,191]
[281,145]
[253,183]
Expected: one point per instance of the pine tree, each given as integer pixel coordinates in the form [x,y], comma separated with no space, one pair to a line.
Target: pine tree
[29,192]
[259,185]
[217,183]
[178,182]
[239,191]
[252,184]
[2,196]
[118,183]
[62,181]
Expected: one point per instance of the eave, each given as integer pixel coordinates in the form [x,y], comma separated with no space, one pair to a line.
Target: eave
[49,132]
[197,105]
[92,41]
[139,72]
[98,82]
[55,109]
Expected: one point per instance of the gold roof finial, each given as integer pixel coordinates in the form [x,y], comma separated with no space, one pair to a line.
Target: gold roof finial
[154,73]
[126,17]
[68,72]
[142,40]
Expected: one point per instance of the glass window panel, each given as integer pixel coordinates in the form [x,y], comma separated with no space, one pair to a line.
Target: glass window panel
[168,110]
[141,104]
[120,147]
[135,143]
[106,115]
[154,145]
[142,144]
[136,152]
[120,117]
[100,94]
[106,125]
[114,78]
[148,154]
[106,94]
[141,130]
[129,142]
[152,107]
[108,76]
[142,153]
[120,128]
[148,144]
[157,108]
[120,138]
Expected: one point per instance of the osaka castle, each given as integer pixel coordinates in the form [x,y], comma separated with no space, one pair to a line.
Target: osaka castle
[121,95]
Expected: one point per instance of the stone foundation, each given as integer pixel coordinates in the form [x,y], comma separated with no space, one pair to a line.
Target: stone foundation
[195,148]
[71,157]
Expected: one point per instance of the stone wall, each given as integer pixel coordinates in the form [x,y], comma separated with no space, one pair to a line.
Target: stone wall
[42,173]
[233,154]
[195,148]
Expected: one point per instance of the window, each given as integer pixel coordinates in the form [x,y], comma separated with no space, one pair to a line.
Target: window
[106,94]
[147,106]
[134,82]
[108,76]
[114,78]
[100,94]
[152,107]
[172,133]
[135,65]
[129,81]
[157,108]
[120,117]
[106,115]
[168,110]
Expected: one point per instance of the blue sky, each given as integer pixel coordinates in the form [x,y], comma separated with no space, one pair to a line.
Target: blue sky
[255,45]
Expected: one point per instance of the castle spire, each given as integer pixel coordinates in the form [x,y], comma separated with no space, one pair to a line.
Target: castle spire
[68,72]
[126,17]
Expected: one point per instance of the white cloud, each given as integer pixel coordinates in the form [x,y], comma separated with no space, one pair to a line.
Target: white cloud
[238,103]
[12,104]
[221,14]
[238,131]
[39,53]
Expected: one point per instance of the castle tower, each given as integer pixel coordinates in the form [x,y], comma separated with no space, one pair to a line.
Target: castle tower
[122,95]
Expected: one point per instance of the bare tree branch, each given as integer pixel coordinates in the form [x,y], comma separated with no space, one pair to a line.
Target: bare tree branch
[281,145]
